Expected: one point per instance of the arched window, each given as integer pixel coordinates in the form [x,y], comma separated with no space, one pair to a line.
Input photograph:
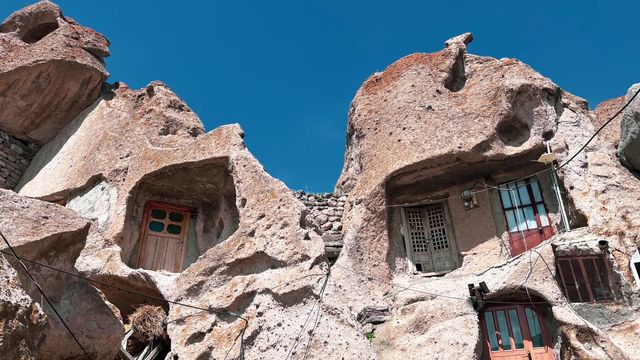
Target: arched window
[515,332]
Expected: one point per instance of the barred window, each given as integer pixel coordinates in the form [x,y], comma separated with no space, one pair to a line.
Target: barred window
[585,278]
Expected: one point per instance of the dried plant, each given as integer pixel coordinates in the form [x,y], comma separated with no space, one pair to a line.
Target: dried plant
[148,323]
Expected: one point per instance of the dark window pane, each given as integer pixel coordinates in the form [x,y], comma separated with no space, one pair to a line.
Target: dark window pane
[504,330]
[158,214]
[604,291]
[580,280]
[176,216]
[534,328]
[491,331]
[569,282]
[515,328]
[174,229]
[156,226]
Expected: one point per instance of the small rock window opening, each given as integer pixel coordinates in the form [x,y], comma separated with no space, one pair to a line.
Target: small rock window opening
[526,214]
[515,332]
[586,278]
[39,32]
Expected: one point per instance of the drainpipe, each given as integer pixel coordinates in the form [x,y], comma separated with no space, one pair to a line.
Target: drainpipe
[554,181]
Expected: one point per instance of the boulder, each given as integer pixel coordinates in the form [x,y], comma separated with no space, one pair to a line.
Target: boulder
[452,117]
[629,146]
[255,258]
[51,68]
[23,323]
[604,111]
[54,236]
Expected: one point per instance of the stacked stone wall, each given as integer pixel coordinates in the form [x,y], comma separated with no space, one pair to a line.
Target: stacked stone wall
[15,156]
[325,216]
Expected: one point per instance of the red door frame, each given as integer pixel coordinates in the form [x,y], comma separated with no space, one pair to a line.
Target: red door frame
[540,353]
[151,205]
[532,237]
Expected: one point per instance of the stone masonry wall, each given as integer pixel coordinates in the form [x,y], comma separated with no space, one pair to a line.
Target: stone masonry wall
[325,216]
[15,156]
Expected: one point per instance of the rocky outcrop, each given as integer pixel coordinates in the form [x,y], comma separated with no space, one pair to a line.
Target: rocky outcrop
[22,320]
[603,112]
[54,236]
[159,212]
[430,121]
[263,264]
[51,68]
[629,147]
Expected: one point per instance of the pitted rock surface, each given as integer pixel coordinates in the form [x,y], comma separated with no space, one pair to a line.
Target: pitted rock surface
[51,68]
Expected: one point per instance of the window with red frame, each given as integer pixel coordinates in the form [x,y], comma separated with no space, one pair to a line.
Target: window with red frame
[515,332]
[585,278]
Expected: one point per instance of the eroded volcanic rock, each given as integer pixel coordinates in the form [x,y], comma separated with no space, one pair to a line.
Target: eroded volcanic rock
[51,68]
[254,255]
[629,147]
[432,125]
[22,321]
[52,235]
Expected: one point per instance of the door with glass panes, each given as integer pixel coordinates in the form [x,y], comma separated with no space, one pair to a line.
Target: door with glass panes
[164,236]
[515,332]
[526,214]
[429,239]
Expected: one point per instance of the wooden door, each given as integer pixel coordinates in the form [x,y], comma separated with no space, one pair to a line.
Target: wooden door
[164,236]
[526,215]
[430,246]
[515,332]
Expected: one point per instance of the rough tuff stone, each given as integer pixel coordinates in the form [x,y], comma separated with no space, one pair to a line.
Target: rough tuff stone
[268,267]
[22,321]
[451,115]
[604,111]
[629,147]
[55,236]
[50,69]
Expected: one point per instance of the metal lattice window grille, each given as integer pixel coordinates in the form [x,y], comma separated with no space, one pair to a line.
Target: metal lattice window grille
[419,219]
[419,242]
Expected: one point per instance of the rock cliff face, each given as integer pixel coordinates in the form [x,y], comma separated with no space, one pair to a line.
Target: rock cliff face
[629,148]
[153,210]
[452,118]
[51,68]
[50,235]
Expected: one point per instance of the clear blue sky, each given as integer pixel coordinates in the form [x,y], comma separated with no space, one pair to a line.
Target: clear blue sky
[287,70]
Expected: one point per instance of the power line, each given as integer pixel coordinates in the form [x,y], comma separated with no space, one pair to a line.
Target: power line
[371,278]
[600,129]
[209,310]
[487,187]
[45,296]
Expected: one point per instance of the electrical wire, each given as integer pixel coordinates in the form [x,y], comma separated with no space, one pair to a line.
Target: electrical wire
[315,325]
[371,278]
[44,295]
[131,291]
[600,129]
[488,187]
[304,325]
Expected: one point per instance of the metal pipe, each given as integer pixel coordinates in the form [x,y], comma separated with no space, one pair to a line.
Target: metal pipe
[554,181]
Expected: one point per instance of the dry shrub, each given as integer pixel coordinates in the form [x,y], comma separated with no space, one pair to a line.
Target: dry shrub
[148,323]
